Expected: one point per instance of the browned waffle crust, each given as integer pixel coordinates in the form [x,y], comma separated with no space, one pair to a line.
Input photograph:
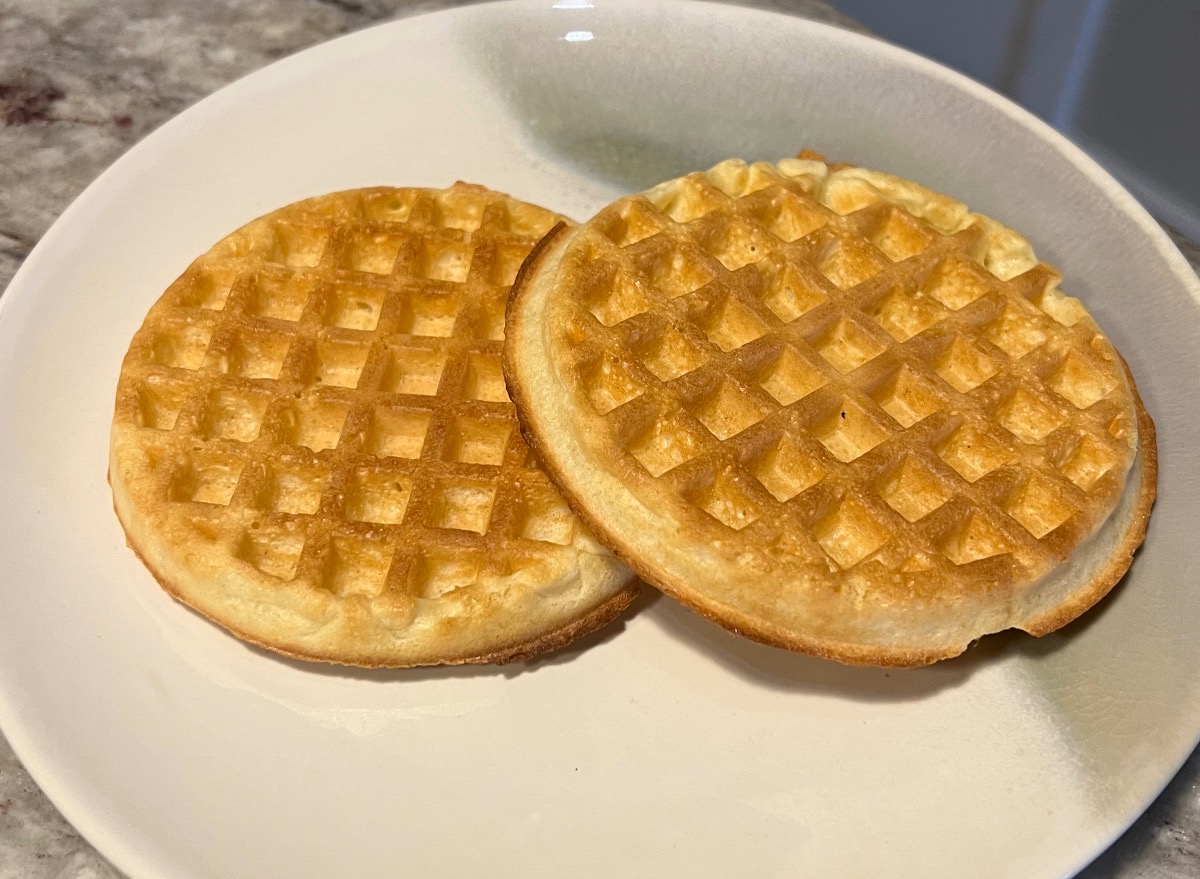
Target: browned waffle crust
[832,410]
[312,444]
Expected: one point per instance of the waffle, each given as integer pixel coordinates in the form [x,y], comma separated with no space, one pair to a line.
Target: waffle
[832,411]
[312,443]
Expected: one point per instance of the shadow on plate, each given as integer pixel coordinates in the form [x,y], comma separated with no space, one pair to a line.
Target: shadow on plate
[603,635]
[755,663]
[778,669]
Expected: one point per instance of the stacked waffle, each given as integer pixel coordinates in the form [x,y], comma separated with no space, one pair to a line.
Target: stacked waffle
[824,407]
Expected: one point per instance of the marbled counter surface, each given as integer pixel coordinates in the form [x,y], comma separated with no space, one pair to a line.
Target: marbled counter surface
[80,82]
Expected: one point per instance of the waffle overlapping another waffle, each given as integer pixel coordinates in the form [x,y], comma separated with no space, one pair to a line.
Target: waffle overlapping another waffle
[832,410]
[313,445]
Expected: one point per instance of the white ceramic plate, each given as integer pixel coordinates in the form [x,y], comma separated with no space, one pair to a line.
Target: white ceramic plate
[667,747]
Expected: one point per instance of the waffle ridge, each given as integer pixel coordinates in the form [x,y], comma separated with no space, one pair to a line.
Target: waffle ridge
[843,381]
[317,404]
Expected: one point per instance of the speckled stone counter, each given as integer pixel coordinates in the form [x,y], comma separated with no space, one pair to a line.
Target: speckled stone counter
[80,82]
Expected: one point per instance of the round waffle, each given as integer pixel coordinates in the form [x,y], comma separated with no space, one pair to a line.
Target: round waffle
[313,446]
[832,411]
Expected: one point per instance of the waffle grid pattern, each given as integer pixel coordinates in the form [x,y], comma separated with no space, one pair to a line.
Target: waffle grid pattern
[326,387]
[850,386]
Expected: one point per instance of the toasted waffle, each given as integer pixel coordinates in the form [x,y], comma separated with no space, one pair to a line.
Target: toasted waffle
[832,411]
[312,443]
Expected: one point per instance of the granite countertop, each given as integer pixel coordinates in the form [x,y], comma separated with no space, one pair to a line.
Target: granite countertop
[83,80]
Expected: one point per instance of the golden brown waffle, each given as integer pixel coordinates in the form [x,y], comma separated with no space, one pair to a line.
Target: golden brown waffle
[313,445]
[832,410]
